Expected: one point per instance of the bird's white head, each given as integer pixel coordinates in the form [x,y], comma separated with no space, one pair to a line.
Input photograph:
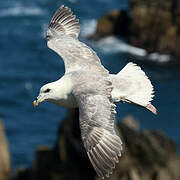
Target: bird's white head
[48,92]
[58,92]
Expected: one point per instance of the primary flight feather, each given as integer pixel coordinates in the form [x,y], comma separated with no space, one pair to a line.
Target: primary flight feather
[87,85]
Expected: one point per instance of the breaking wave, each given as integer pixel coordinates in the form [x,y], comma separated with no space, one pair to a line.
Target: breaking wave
[21,11]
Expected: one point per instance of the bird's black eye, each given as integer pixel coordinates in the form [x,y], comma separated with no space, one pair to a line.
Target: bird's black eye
[47,90]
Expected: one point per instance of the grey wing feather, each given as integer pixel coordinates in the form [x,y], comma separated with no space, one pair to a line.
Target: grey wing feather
[64,23]
[62,38]
[97,116]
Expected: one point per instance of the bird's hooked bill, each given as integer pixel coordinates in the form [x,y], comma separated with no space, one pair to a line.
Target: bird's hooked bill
[35,103]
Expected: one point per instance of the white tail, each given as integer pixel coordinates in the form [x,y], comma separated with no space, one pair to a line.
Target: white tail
[132,85]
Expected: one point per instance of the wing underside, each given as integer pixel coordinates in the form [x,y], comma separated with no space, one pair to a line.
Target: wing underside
[62,37]
[97,116]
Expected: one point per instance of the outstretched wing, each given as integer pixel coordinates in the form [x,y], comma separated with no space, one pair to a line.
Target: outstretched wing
[62,37]
[97,116]
[64,22]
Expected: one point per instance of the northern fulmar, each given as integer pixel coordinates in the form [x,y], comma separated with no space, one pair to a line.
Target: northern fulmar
[87,85]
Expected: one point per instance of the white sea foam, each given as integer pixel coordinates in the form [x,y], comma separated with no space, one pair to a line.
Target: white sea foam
[112,44]
[88,27]
[21,11]
[162,58]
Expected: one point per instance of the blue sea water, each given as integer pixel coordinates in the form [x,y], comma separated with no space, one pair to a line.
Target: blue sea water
[26,64]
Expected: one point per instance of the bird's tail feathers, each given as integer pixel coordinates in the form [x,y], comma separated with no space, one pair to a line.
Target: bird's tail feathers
[142,91]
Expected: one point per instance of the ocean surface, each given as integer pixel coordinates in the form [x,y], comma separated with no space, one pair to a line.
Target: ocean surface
[26,64]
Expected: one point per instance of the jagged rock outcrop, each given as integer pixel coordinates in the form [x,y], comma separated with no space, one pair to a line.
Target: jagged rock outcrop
[4,155]
[153,25]
[115,22]
[147,155]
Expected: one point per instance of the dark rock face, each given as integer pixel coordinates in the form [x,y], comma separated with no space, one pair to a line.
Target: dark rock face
[147,155]
[153,25]
[4,155]
[115,22]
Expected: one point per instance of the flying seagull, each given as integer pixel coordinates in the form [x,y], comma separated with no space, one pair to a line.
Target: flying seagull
[87,85]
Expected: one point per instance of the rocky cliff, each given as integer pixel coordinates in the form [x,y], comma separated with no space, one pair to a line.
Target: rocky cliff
[4,155]
[147,155]
[153,25]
